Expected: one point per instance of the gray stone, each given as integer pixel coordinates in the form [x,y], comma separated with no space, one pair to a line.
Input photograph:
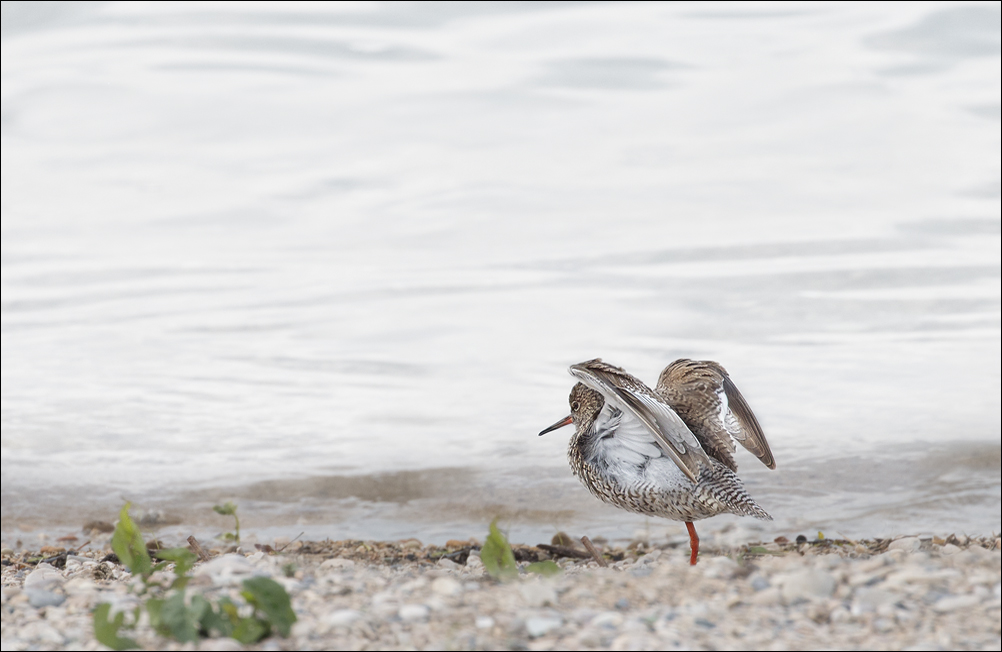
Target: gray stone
[537,626]
[448,564]
[39,598]
[44,577]
[723,568]
[538,593]
[607,619]
[868,600]
[758,582]
[343,617]
[807,585]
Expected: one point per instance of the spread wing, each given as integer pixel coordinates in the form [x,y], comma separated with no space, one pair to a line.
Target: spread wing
[627,393]
[705,397]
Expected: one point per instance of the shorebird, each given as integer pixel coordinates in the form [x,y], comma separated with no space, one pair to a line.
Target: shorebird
[666,452]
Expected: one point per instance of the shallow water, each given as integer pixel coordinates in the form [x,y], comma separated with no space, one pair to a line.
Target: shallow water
[333,261]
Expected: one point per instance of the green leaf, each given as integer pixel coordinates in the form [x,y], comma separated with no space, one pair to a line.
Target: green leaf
[127,542]
[154,607]
[183,560]
[226,509]
[497,556]
[250,630]
[211,620]
[545,568]
[177,620]
[106,631]
[270,597]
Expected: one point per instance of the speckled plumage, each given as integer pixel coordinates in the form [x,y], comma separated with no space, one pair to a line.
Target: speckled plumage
[668,452]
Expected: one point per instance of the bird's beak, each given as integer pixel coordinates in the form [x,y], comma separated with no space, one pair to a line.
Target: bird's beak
[559,424]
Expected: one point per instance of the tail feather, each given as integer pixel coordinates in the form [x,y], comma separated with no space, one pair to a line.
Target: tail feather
[724,485]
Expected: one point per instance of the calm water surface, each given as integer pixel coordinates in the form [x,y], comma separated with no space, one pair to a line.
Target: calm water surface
[332,262]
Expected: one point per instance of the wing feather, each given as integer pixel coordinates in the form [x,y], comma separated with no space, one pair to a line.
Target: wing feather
[627,393]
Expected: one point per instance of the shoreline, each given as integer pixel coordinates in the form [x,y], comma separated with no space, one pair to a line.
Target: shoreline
[911,592]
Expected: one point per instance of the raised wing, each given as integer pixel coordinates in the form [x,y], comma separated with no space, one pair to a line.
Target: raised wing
[704,396]
[627,393]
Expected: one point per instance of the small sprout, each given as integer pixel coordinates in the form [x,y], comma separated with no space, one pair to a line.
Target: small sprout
[172,614]
[545,568]
[229,509]
[821,535]
[128,544]
[497,556]
[289,569]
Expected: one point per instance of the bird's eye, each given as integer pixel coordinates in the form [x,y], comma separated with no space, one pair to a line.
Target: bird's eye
[574,406]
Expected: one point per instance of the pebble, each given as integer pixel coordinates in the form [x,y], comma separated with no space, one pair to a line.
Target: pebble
[336,564]
[907,544]
[899,600]
[343,617]
[956,602]
[868,600]
[538,593]
[39,598]
[446,586]
[537,626]
[807,585]
[413,612]
[44,577]
[227,570]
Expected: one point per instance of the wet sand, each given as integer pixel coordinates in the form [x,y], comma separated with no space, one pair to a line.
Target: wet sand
[908,593]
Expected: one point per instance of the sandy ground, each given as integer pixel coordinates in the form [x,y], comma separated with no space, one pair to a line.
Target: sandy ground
[910,593]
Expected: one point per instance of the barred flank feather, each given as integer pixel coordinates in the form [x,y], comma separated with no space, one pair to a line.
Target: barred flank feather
[724,485]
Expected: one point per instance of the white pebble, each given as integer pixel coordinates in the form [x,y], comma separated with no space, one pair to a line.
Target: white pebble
[337,563]
[484,622]
[44,577]
[343,617]
[868,600]
[723,568]
[226,570]
[413,612]
[448,564]
[955,602]
[541,625]
[908,544]
[949,549]
[446,586]
[538,593]
[806,585]
[607,619]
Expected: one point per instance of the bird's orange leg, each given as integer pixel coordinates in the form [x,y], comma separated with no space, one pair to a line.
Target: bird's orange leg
[693,542]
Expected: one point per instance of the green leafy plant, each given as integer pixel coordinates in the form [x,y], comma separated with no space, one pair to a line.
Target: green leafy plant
[173,614]
[545,568]
[497,556]
[229,509]
[499,560]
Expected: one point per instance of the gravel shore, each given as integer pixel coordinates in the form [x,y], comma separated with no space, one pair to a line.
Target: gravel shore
[910,593]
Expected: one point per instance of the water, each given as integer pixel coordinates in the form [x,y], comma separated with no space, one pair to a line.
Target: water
[332,262]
